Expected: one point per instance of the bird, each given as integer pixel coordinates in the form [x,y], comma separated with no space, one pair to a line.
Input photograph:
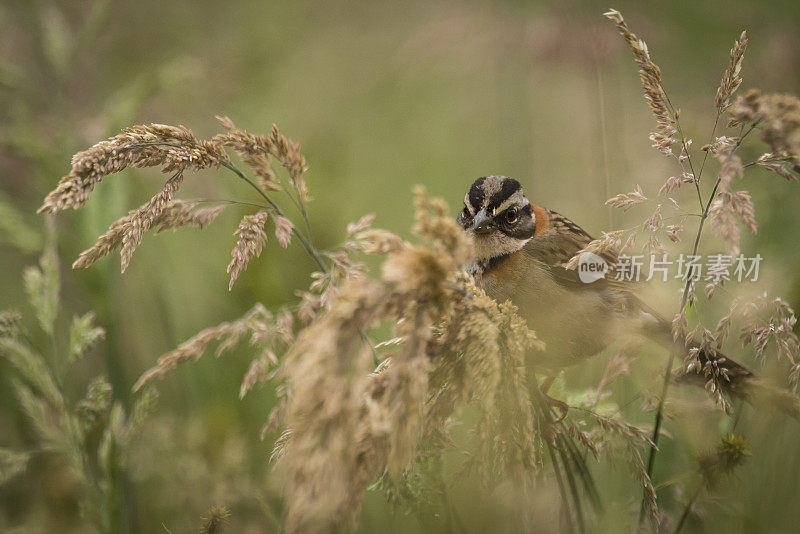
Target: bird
[521,251]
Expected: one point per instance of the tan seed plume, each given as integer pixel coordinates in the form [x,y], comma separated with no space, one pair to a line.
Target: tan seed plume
[252,239]
[730,78]
[227,334]
[173,214]
[176,149]
[650,75]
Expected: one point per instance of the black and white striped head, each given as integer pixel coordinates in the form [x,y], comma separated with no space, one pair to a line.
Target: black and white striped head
[497,216]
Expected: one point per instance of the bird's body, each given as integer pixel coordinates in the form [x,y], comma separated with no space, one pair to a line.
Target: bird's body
[521,255]
[574,323]
[575,320]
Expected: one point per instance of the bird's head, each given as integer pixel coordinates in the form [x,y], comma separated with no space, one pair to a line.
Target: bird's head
[497,217]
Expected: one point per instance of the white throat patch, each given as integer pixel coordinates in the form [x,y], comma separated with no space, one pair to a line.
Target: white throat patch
[495,244]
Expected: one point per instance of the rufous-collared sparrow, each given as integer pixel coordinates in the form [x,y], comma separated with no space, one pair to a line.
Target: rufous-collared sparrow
[521,252]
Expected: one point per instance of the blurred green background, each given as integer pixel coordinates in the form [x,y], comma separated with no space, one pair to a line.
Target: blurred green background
[382,96]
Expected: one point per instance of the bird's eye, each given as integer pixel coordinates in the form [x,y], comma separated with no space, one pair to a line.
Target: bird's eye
[464,218]
[511,216]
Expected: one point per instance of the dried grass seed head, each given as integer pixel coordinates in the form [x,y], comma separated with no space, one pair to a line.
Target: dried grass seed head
[731,80]
[650,75]
[250,243]
[176,149]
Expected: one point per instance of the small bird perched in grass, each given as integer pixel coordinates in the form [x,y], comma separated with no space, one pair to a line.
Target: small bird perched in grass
[521,254]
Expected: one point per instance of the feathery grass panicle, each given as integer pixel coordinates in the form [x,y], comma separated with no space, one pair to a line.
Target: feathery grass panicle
[90,437]
[479,356]
[126,233]
[770,322]
[10,323]
[258,372]
[83,336]
[730,168]
[778,118]
[627,200]
[179,213]
[655,221]
[407,392]
[507,428]
[254,151]
[257,151]
[730,78]
[724,211]
[433,222]
[42,284]
[650,75]
[96,405]
[349,426]
[215,519]
[728,205]
[327,454]
[372,422]
[671,184]
[12,463]
[228,334]
[325,284]
[176,149]
[731,452]
[283,229]
[288,153]
[777,165]
[145,218]
[251,240]
[673,232]
[378,241]
[32,368]
[361,225]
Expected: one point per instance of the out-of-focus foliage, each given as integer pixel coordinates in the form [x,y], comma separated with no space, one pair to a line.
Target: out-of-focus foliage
[383,96]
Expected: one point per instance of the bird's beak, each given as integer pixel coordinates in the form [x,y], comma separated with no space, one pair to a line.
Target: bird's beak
[483,223]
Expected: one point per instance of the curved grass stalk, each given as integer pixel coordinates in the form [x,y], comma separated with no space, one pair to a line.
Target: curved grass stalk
[668,372]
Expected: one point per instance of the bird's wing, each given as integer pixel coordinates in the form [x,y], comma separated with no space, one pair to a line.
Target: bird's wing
[562,240]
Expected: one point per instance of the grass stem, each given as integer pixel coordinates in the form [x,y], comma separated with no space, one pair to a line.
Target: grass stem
[684,299]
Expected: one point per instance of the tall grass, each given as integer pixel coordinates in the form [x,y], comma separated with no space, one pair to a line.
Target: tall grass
[777,116]
[378,372]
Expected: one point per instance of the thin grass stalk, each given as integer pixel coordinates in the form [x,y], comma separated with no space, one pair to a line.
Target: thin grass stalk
[738,417]
[309,248]
[686,510]
[306,244]
[561,488]
[233,202]
[312,251]
[711,140]
[579,461]
[573,490]
[686,147]
[684,299]
[545,418]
